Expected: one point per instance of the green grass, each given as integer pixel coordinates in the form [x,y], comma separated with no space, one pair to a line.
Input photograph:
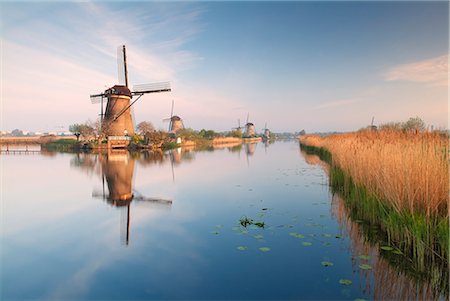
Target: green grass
[61,145]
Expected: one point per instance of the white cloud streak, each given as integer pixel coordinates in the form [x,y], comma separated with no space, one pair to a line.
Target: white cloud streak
[433,72]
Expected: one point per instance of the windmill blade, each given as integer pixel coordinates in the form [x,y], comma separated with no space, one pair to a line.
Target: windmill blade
[151,88]
[248,114]
[97,98]
[121,65]
[166,119]
[171,111]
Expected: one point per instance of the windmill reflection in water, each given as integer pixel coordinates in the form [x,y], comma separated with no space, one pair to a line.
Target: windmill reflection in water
[117,169]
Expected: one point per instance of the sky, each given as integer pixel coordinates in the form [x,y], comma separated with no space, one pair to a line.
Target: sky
[317,66]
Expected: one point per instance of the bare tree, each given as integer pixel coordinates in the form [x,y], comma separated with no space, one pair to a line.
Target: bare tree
[145,127]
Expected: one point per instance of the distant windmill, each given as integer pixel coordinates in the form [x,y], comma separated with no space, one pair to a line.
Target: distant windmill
[266,134]
[239,127]
[249,128]
[117,119]
[175,122]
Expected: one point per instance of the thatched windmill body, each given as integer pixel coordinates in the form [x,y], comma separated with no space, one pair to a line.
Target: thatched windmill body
[175,122]
[249,128]
[117,120]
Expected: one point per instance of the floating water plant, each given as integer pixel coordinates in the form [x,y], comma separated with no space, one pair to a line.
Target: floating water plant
[345,281]
[365,266]
[242,248]
[258,236]
[364,257]
[327,263]
[264,249]
[307,243]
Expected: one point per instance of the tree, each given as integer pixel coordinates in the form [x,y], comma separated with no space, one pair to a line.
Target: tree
[145,127]
[17,132]
[391,126]
[85,130]
[414,123]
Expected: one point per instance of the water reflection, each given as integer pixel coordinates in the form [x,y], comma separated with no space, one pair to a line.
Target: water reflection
[391,276]
[116,169]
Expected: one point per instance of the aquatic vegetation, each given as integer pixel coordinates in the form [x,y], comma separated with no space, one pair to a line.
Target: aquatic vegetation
[395,185]
[242,248]
[327,263]
[365,266]
[345,281]
[264,249]
[307,243]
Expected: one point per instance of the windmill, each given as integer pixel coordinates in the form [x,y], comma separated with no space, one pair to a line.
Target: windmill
[117,119]
[175,122]
[249,128]
[266,135]
[239,127]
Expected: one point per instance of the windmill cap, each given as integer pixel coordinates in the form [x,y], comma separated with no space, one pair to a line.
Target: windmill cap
[119,90]
[175,117]
[249,123]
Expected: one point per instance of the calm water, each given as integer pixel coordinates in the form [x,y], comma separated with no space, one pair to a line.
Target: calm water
[69,230]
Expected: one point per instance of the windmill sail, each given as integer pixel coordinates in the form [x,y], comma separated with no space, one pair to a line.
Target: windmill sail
[121,66]
[151,88]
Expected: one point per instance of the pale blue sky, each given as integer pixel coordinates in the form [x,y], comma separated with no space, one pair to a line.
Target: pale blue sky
[318,66]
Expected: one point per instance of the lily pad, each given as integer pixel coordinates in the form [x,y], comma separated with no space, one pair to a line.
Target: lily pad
[300,236]
[365,266]
[293,234]
[327,263]
[235,228]
[345,281]
[258,236]
[327,244]
[360,299]
[242,248]
[306,243]
[326,235]
[219,226]
[264,249]
[214,232]
[364,257]
[338,236]
[387,248]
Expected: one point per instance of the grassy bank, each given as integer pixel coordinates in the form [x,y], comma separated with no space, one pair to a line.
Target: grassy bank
[397,184]
[61,145]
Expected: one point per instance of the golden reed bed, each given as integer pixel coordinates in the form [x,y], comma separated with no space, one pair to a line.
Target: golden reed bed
[408,170]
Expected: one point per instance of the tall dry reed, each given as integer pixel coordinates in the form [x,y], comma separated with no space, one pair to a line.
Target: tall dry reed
[409,171]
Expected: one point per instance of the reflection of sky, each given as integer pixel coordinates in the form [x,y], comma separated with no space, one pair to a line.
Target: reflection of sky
[60,242]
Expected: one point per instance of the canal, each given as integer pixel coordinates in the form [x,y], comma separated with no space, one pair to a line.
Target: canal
[247,222]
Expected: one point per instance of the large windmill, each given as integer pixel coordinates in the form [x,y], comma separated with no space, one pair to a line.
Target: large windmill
[175,122]
[249,128]
[117,119]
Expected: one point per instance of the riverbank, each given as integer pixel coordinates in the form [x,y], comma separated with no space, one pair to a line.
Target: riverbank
[396,185]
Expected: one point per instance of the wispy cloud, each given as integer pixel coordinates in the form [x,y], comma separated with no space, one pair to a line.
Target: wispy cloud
[337,103]
[433,72]
[60,71]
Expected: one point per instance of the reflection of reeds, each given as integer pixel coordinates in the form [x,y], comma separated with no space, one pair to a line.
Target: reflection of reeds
[391,281]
